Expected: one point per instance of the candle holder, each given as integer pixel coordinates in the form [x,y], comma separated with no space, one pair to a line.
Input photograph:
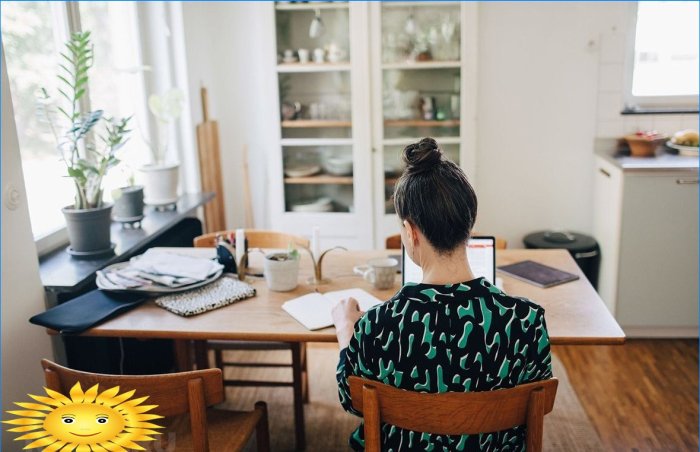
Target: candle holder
[242,267]
[317,278]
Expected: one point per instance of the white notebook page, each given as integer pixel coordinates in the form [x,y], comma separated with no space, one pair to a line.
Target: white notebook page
[314,310]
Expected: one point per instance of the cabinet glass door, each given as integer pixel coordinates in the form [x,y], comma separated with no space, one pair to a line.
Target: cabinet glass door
[313,65]
[420,81]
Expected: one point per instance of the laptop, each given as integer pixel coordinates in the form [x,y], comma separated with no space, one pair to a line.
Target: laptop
[481,252]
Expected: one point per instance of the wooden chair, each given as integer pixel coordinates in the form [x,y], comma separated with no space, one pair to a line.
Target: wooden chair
[176,395]
[256,239]
[453,413]
[393,242]
[300,381]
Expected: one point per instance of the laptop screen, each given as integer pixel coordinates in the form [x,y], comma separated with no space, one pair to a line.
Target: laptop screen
[481,252]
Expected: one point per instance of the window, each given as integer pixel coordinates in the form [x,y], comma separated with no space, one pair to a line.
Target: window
[665,62]
[32,34]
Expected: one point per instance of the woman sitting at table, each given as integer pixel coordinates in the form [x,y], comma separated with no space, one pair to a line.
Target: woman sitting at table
[450,333]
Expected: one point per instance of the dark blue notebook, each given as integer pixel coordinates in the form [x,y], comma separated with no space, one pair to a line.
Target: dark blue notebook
[86,311]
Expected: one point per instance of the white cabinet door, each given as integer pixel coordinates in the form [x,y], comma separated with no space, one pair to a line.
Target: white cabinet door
[607,202]
[658,272]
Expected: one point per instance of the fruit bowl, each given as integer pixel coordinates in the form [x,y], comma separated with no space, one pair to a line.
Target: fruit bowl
[644,144]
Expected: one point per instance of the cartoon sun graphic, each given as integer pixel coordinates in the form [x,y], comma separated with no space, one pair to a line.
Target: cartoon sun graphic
[88,421]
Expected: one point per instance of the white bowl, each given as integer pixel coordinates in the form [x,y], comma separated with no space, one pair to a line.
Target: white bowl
[319,205]
[338,166]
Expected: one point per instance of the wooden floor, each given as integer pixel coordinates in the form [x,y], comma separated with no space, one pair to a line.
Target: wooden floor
[641,396]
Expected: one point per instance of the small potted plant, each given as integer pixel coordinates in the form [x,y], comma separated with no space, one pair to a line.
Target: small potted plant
[282,270]
[160,178]
[87,157]
[128,202]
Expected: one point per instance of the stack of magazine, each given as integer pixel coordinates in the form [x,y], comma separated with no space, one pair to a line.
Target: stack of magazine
[159,271]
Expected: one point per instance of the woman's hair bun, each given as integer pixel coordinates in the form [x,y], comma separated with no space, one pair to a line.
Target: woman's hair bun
[422,156]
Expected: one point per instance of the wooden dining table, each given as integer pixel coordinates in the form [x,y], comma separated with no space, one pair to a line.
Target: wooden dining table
[574,312]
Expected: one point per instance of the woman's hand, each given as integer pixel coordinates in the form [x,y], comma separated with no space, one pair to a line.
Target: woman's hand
[345,314]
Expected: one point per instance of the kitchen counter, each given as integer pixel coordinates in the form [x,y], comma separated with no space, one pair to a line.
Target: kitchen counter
[608,149]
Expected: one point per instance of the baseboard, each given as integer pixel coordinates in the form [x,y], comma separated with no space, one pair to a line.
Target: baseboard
[675,332]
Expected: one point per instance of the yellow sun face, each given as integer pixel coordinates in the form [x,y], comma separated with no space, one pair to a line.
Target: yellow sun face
[87,421]
[84,424]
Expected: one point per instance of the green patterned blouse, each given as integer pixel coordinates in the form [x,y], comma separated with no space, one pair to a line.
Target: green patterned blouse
[454,338]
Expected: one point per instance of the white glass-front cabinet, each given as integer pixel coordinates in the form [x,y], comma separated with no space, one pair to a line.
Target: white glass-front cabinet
[322,67]
[423,62]
[357,82]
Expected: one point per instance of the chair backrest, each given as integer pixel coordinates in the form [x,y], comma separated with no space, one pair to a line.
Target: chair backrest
[256,239]
[393,242]
[453,413]
[175,394]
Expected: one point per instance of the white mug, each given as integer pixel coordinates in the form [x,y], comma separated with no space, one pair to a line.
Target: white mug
[288,54]
[303,55]
[319,55]
[379,272]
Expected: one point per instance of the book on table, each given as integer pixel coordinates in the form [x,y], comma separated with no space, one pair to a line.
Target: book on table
[314,310]
[538,274]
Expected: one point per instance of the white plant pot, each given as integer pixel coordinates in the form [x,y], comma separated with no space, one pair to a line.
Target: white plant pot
[160,183]
[281,276]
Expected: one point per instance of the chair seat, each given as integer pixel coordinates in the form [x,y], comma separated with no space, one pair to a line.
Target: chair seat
[248,345]
[228,431]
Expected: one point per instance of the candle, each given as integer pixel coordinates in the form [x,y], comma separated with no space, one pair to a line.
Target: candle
[316,242]
[240,245]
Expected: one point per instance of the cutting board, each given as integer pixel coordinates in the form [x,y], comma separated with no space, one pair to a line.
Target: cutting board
[210,168]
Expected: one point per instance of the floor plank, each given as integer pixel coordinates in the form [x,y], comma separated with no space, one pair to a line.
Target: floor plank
[641,396]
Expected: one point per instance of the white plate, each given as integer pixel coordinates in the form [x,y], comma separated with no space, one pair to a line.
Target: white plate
[302,171]
[690,151]
[154,289]
[320,205]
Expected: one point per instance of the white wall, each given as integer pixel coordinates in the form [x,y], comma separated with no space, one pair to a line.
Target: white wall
[226,45]
[550,81]
[537,68]
[23,344]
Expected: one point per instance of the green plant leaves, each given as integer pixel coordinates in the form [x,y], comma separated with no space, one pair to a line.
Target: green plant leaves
[89,166]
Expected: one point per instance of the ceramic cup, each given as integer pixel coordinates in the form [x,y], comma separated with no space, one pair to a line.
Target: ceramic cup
[319,55]
[303,55]
[288,54]
[379,272]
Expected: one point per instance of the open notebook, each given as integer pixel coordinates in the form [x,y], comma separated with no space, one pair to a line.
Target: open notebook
[314,310]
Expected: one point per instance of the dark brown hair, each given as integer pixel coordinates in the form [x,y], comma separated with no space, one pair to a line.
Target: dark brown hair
[434,194]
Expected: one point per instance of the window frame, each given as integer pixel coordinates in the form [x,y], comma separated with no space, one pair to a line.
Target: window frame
[66,24]
[638,104]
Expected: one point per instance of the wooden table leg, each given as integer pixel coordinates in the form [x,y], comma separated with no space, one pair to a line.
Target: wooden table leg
[304,373]
[297,378]
[183,359]
[201,358]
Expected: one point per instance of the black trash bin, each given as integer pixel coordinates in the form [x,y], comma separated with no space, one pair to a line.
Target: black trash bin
[583,248]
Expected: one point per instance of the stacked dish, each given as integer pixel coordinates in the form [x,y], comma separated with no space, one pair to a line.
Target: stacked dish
[338,166]
[319,205]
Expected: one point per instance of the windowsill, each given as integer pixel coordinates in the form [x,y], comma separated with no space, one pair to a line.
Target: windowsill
[660,111]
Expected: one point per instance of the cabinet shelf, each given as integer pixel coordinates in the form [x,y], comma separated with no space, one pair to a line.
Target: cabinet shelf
[316,142]
[312,67]
[422,65]
[405,141]
[421,123]
[416,4]
[314,123]
[310,6]
[318,180]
